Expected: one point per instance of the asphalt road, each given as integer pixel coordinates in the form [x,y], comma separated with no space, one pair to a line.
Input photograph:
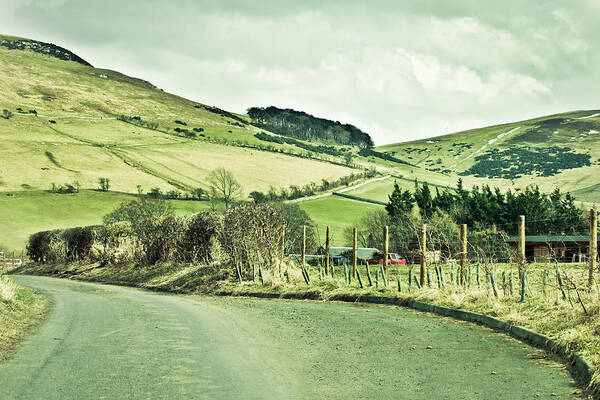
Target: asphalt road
[109,342]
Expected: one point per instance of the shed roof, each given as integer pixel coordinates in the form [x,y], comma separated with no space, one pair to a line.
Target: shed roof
[550,238]
[363,253]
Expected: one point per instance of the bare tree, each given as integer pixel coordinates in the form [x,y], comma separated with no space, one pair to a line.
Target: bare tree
[224,185]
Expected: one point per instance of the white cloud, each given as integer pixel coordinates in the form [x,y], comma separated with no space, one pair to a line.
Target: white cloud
[399,70]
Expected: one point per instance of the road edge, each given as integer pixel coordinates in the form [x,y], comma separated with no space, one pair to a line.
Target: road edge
[528,336]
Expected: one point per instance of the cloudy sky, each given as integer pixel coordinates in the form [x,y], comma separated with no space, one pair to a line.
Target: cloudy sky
[399,70]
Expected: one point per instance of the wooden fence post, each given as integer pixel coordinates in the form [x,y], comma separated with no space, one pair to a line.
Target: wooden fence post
[423,255]
[463,252]
[521,246]
[354,251]
[593,245]
[327,251]
[303,245]
[386,249]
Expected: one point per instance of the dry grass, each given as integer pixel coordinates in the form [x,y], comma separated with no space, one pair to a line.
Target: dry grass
[7,289]
[20,310]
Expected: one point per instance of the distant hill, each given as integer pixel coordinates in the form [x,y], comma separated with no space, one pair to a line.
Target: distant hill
[300,125]
[52,50]
[557,150]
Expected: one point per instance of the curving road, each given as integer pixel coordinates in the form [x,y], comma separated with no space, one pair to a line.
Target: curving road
[109,342]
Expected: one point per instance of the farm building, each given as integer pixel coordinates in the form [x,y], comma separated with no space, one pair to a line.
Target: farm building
[345,253]
[338,255]
[548,248]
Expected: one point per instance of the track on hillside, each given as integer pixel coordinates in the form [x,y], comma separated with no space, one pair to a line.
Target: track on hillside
[106,341]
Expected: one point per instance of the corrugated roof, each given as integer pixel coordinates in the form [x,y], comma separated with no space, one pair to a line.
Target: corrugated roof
[362,253]
[550,238]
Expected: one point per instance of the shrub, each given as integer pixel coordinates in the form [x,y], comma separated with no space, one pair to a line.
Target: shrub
[295,218]
[79,242]
[199,241]
[41,246]
[152,223]
[246,226]
[109,240]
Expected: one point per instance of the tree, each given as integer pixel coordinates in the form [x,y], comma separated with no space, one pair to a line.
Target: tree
[424,199]
[295,218]
[400,201]
[258,197]
[348,158]
[224,186]
[104,184]
[199,193]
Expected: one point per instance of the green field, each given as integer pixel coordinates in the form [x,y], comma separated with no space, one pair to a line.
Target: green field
[24,213]
[338,213]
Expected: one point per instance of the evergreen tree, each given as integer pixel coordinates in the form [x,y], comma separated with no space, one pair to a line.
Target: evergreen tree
[400,202]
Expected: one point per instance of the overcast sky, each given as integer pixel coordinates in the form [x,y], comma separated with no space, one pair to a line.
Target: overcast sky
[399,70]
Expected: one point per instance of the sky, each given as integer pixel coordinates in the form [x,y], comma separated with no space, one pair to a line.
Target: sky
[399,70]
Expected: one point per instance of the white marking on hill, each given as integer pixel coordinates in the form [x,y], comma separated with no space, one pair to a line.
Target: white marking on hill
[490,142]
[590,116]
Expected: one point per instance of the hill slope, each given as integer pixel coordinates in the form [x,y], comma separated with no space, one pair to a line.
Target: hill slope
[557,150]
[62,124]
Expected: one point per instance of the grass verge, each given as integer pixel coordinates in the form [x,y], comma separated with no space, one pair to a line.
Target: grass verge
[20,310]
[544,310]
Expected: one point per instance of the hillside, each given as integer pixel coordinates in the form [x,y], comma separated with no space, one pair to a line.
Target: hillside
[66,121]
[557,150]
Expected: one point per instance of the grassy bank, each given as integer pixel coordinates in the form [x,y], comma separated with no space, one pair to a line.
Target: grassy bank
[20,310]
[543,311]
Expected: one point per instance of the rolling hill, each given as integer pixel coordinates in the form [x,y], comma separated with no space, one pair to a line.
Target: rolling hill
[557,150]
[63,121]
[71,122]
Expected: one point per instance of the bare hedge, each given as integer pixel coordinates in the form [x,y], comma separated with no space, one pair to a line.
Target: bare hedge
[248,234]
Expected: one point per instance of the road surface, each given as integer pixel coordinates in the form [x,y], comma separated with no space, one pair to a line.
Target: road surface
[109,342]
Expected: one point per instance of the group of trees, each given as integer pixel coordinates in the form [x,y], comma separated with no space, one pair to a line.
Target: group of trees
[483,207]
[490,214]
[66,188]
[310,189]
[304,126]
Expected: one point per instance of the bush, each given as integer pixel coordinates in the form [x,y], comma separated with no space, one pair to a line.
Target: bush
[247,226]
[109,242]
[152,223]
[199,242]
[79,242]
[39,248]
[295,218]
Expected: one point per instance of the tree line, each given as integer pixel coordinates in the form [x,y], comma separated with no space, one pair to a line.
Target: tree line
[301,125]
[483,207]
